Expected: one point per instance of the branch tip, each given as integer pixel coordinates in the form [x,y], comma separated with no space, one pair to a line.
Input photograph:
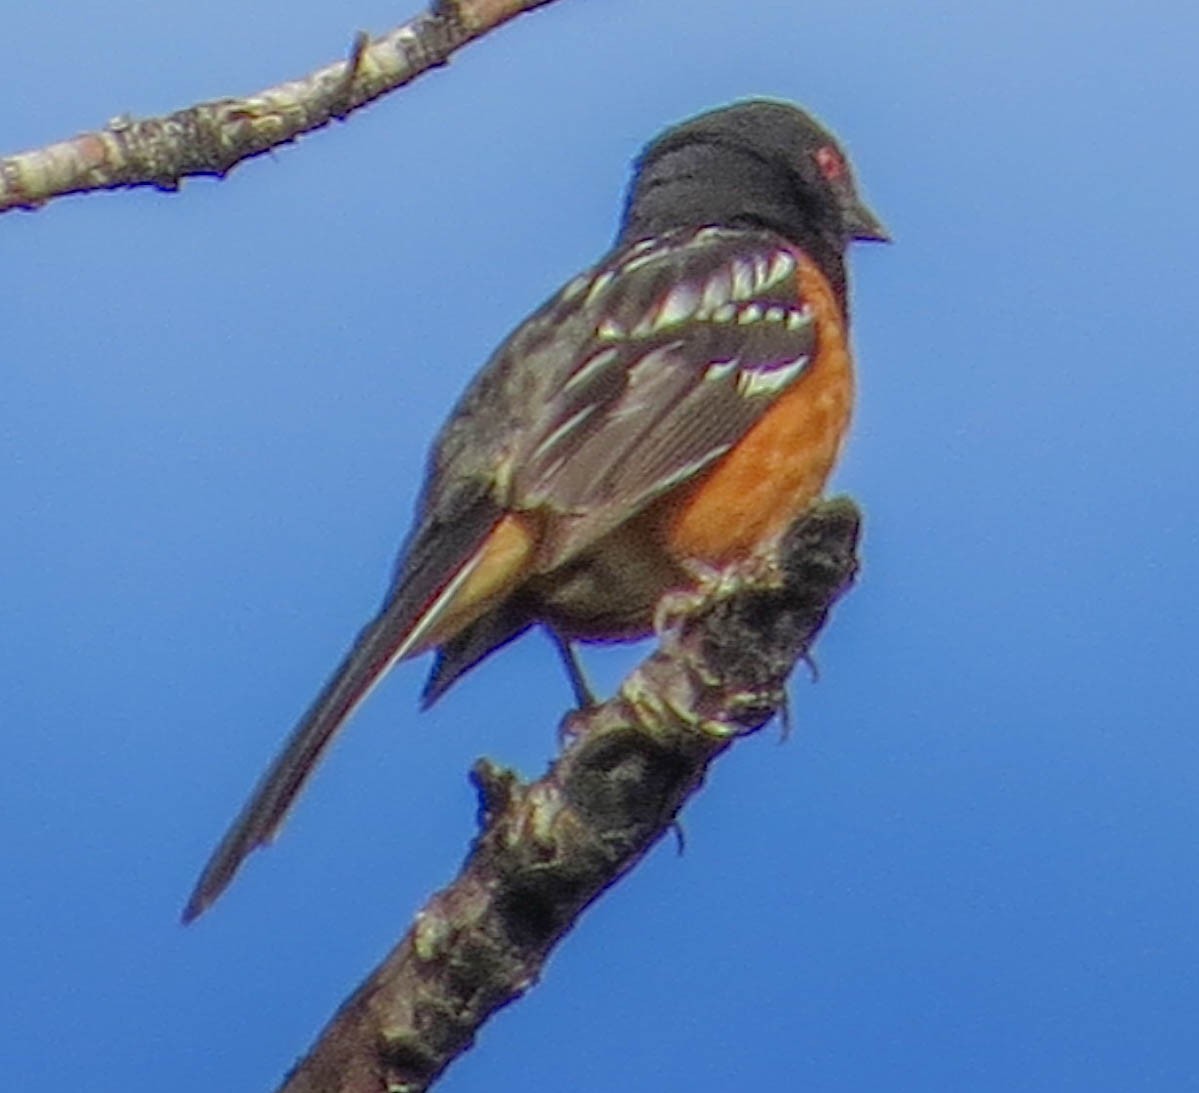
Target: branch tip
[210,138]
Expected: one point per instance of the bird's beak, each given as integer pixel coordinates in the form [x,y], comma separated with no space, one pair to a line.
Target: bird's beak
[861,223]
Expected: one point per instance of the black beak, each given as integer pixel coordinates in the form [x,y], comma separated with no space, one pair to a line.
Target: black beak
[861,223]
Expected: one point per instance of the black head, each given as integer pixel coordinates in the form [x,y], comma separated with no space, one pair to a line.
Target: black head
[755,164]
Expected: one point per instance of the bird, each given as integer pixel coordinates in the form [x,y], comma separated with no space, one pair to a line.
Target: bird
[669,412]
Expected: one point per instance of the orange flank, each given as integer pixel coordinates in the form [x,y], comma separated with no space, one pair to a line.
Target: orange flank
[493,573]
[781,465]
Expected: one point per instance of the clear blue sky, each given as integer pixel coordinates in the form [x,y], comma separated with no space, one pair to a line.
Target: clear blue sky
[973,867]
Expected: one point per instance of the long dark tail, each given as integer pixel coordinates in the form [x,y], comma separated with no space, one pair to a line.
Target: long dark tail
[380,644]
[438,562]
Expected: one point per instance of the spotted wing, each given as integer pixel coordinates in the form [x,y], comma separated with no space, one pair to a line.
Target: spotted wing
[637,374]
[691,340]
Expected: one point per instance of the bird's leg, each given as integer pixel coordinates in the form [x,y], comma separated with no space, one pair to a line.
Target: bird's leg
[711,583]
[583,693]
[708,583]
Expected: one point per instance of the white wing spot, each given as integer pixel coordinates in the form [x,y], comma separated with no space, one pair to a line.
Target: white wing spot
[761,272]
[719,370]
[600,285]
[776,314]
[686,471]
[751,313]
[717,290]
[568,426]
[743,279]
[637,261]
[609,330]
[574,288]
[797,318]
[726,313]
[761,381]
[679,304]
[589,368]
[639,254]
[642,246]
[781,267]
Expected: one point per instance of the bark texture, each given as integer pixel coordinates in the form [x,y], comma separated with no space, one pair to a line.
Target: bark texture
[549,848]
[211,138]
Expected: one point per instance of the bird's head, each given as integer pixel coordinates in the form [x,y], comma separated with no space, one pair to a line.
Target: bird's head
[754,164]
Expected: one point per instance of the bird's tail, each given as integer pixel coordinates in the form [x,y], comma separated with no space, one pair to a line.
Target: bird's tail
[386,640]
[417,616]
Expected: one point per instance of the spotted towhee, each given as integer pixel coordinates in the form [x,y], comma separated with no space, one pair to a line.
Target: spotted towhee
[670,411]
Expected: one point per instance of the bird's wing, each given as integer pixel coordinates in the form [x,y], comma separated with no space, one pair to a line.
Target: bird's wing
[693,339]
[648,369]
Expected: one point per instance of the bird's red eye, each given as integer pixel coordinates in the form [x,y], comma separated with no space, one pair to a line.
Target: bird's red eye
[831,163]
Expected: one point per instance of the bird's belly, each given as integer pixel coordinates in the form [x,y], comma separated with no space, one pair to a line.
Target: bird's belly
[609,592]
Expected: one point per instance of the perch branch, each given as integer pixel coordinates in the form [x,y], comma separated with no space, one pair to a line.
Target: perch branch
[549,848]
[211,138]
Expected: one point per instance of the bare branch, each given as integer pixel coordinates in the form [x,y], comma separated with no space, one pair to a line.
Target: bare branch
[211,138]
[547,849]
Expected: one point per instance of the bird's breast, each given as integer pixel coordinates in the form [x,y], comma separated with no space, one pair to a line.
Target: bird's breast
[755,492]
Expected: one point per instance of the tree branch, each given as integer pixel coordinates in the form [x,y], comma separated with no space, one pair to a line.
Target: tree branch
[211,138]
[547,849]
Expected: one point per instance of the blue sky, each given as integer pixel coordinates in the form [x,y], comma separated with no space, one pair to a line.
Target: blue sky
[974,864]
